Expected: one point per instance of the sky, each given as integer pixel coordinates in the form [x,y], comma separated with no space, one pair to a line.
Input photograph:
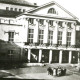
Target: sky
[72,6]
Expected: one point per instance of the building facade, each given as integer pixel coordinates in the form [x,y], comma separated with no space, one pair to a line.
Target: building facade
[43,34]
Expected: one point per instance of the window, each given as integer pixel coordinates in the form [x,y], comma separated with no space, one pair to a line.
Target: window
[30,35]
[19,10]
[68,38]
[10,54]
[52,11]
[50,37]
[41,35]
[69,24]
[15,9]
[41,21]
[31,21]
[24,10]
[60,38]
[51,23]
[7,8]
[60,23]
[11,36]
[11,9]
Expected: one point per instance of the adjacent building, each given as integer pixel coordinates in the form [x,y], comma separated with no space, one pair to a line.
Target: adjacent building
[38,34]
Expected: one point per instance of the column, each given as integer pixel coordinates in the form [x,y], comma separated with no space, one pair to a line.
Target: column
[40,55]
[70,56]
[55,34]
[25,25]
[46,32]
[50,56]
[73,36]
[36,29]
[64,36]
[29,54]
[60,57]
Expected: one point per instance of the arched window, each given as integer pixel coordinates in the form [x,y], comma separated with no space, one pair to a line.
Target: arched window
[52,11]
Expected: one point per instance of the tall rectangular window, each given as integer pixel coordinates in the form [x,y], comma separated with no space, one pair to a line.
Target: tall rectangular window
[11,36]
[30,35]
[41,22]
[60,38]
[68,38]
[24,10]
[31,21]
[60,23]
[51,23]
[41,36]
[69,25]
[50,37]
[11,54]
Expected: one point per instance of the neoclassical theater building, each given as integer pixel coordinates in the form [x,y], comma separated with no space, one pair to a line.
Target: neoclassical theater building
[37,34]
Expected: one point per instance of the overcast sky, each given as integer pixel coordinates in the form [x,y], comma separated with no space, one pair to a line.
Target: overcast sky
[72,6]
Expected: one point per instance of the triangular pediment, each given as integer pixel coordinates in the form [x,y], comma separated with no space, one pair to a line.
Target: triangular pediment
[52,9]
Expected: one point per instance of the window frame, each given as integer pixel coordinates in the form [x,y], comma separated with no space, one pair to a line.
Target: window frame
[41,36]
[51,22]
[60,37]
[41,21]
[11,54]
[69,25]
[30,35]
[11,36]
[31,20]
[50,37]
[52,11]
[24,10]
[60,23]
[68,38]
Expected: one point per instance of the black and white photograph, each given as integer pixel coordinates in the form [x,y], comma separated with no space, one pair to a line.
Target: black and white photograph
[40,39]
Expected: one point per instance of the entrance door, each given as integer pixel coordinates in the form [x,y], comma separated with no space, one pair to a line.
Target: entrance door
[74,57]
[34,55]
[45,56]
[55,56]
[65,57]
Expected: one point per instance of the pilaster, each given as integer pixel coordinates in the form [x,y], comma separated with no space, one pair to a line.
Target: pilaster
[55,35]
[36,30]
[64,36]
[70,56]
[46,32]
[60,57]
[40,55]
[73,36]
[29,54]
[50,56]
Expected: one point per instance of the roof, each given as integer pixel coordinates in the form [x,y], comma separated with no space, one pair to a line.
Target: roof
[18,2]
[78,23]
[50,3]
[5,13]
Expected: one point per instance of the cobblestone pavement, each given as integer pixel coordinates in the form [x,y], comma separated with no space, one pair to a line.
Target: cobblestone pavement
[41,73]
[45,76]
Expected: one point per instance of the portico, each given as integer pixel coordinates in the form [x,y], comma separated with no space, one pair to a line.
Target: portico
[52,56]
